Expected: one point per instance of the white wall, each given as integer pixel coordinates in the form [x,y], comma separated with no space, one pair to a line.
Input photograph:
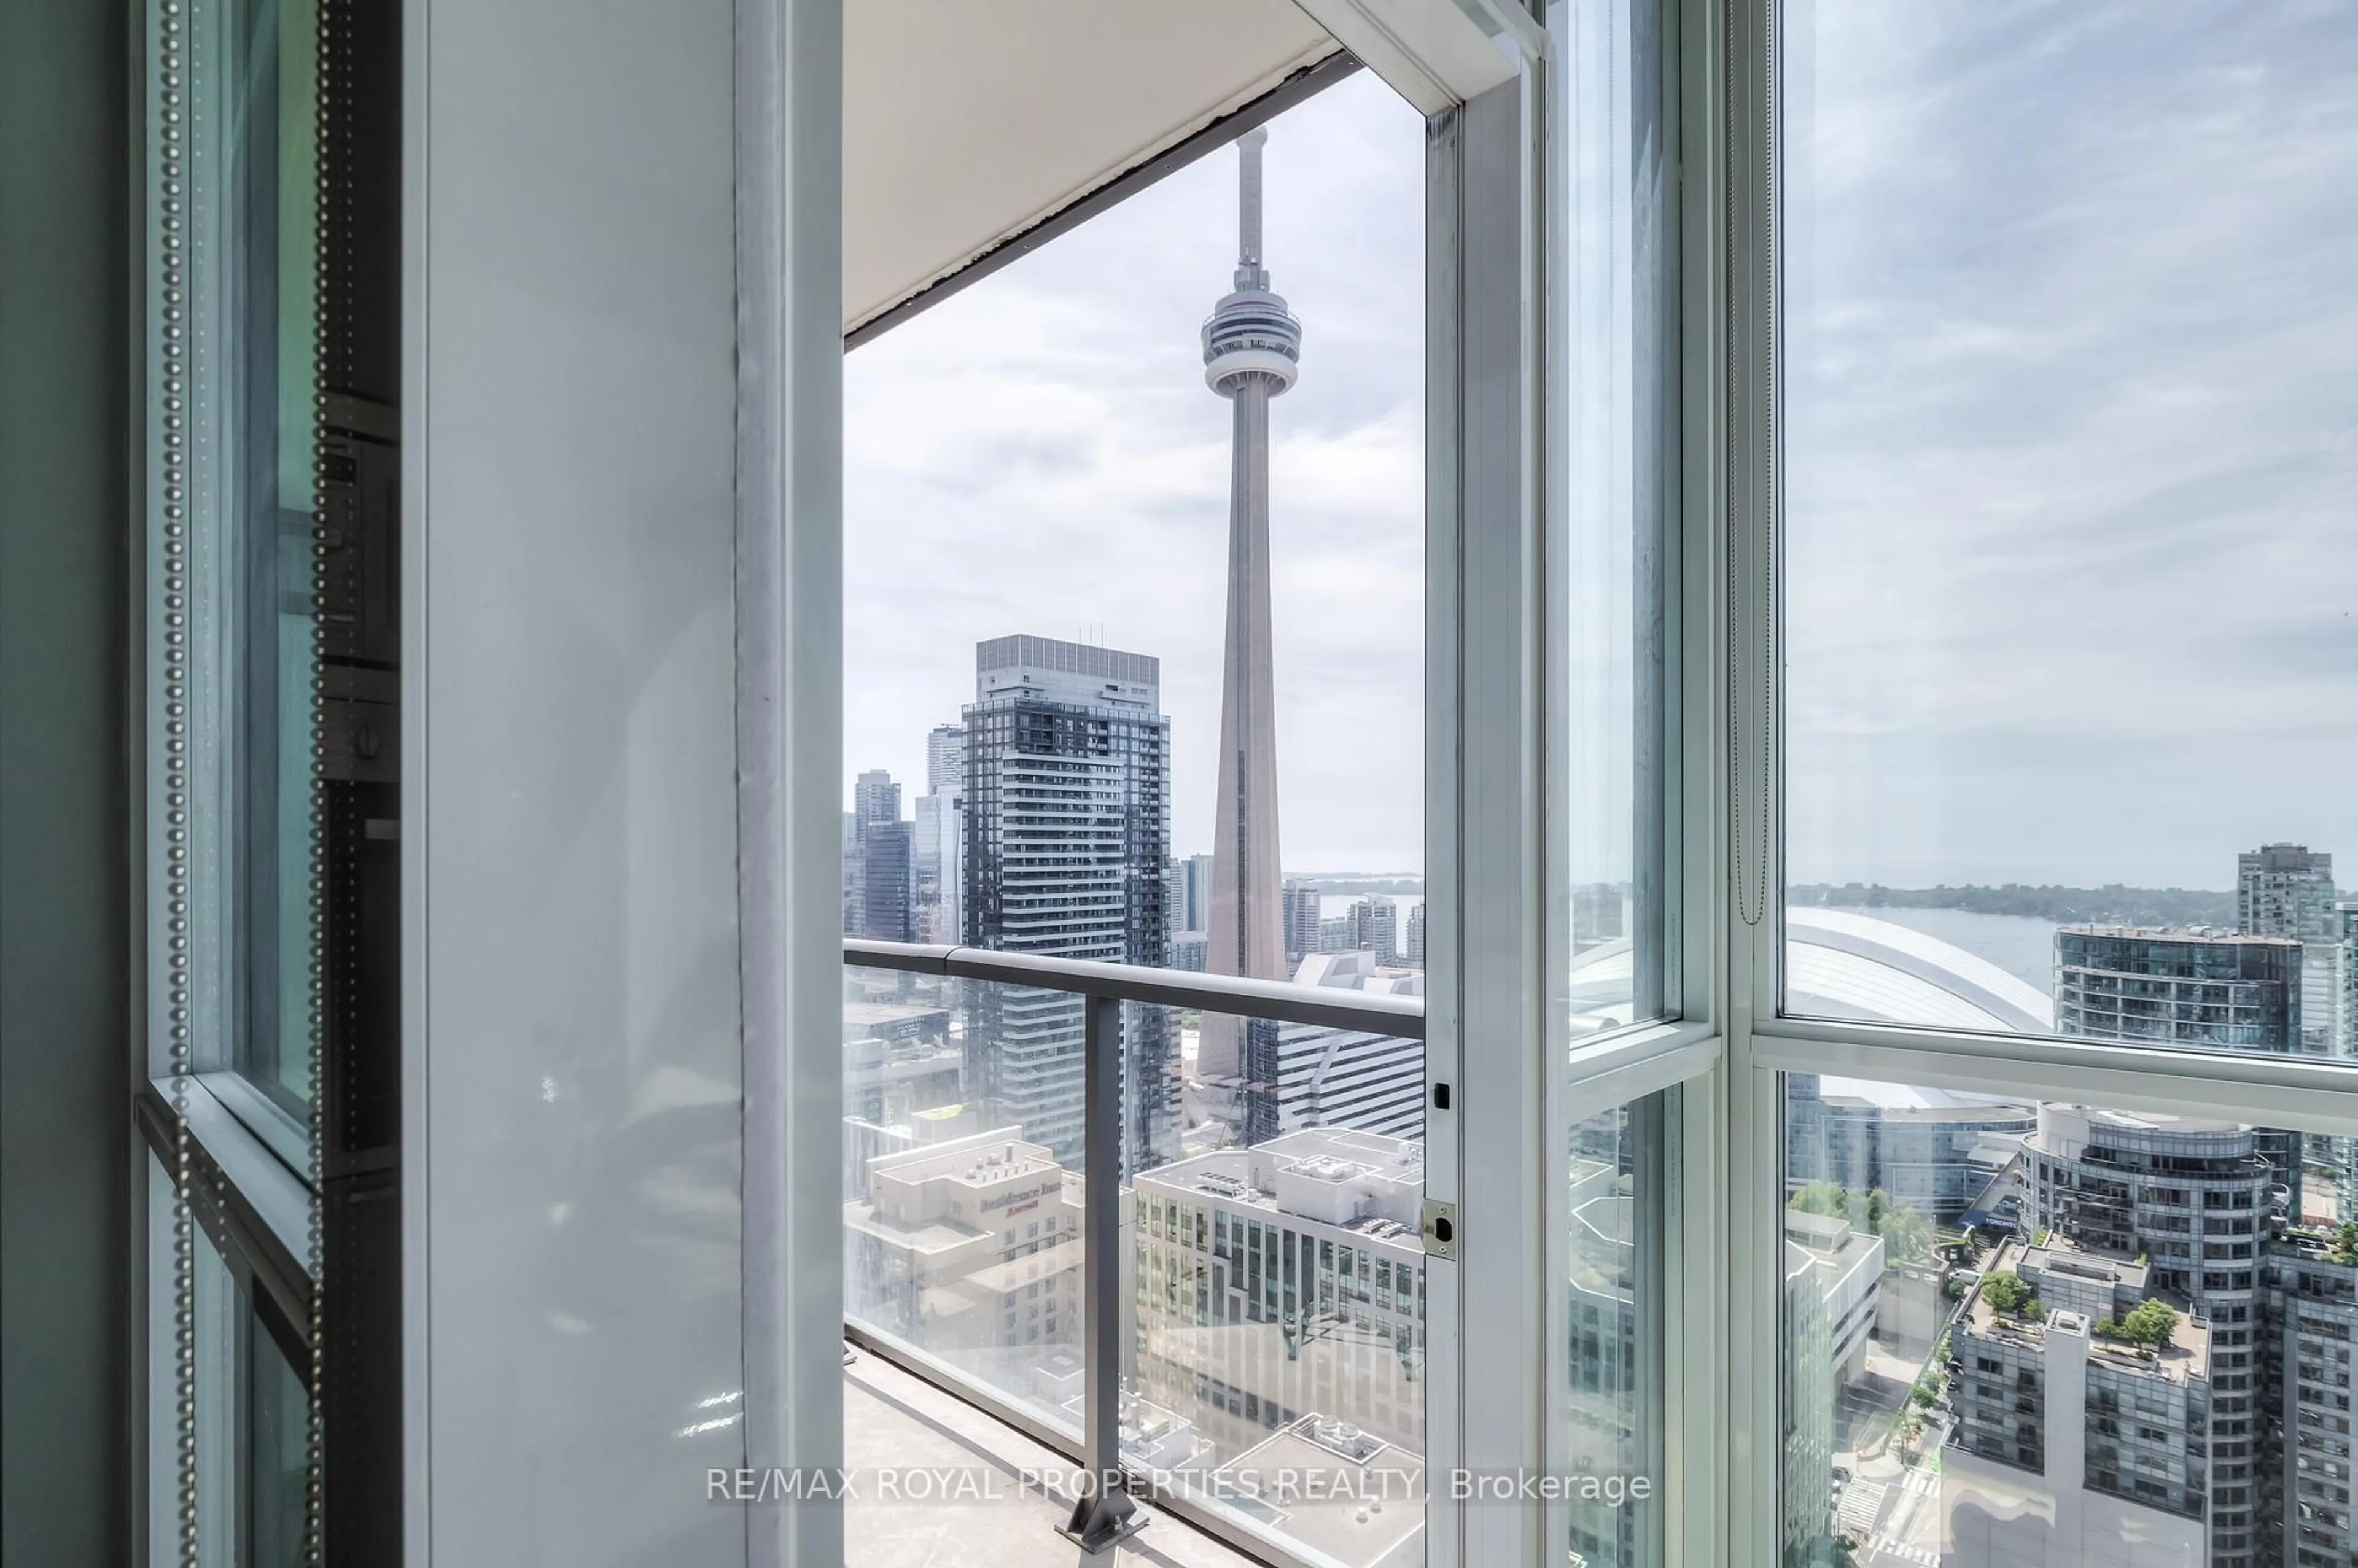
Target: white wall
[65,1148]
[578,1334]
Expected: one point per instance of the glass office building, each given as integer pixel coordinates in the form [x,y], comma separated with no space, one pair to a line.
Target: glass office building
[2175,987]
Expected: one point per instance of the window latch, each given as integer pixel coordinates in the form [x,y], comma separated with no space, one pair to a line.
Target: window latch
[1440,1229]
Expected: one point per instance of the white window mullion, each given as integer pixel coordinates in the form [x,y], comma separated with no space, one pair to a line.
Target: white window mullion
[2266,1090]
[1746,511]
[1755,1416]
[1633,1066]
[1492,616]
[1696,1339]
[1442,1380]
[1709,1496]
[789,578]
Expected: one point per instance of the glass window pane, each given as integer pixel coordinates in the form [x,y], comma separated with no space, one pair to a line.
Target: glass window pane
[1273,1302]
[1277,1337]
[250,275]
[964,1179]
[1614,355]
[2070,297]
[219,1320]
[2024,1332]
[280,1412]
[211,1395]
[268,330]
[250,1406]
[1617,1318]
[275,625]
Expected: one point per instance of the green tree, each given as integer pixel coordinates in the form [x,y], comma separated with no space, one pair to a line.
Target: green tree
[2153,1324]
[1823,1197]
[1907,1234]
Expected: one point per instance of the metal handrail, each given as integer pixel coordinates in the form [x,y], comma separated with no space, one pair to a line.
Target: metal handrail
[1103,1513]
[1402,1016]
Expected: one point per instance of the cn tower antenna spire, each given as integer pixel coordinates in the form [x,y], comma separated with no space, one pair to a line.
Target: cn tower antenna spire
[1249,272]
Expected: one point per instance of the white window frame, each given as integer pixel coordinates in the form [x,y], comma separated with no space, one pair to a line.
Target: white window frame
[1736,287]
[253,1155]
[1496,1026]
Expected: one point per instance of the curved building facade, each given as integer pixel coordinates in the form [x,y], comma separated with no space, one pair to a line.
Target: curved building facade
[2197,1202]
[1854,966]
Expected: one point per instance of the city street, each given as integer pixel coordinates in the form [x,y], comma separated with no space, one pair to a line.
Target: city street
[1894,1506]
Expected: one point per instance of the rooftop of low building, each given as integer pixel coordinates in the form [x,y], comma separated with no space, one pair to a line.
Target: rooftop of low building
[1335,1154]
[2186,1359]
[1344,1493]
[2058,1254]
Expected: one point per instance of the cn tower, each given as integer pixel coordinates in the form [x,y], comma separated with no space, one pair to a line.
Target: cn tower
[1252,347]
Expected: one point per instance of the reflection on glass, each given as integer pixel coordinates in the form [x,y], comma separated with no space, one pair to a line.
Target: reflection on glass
[1615,352]
[2023,1332]
[247,1405]
[271,522]
[248,313]
[1278,1304]
[2069,295]
[254,171]
[291,614]
[1272,1280]
[273,202]
[218,1316]
[1618,1308]
[278,1429]
[211,1308]
[962,1212]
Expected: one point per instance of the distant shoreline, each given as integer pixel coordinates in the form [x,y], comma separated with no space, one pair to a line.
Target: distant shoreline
[2112,905]
[1360,882]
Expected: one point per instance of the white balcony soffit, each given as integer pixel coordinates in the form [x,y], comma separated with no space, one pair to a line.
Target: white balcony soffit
[968,125]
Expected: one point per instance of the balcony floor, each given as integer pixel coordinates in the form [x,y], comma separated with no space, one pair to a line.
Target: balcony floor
[895,1420]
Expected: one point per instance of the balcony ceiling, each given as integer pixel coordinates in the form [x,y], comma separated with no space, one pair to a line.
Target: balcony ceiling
[967,123]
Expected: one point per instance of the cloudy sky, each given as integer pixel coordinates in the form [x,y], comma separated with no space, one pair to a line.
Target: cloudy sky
[2072,403]
[1040,454]
[2072,455]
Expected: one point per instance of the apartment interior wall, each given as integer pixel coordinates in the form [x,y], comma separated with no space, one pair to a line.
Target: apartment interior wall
[64,899]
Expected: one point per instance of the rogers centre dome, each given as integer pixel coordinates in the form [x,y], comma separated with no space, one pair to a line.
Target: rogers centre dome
[1853,966]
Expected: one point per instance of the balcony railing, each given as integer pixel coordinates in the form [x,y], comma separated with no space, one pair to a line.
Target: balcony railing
[1103,1513]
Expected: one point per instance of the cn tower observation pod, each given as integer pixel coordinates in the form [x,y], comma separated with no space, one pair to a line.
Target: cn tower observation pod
[1252,339]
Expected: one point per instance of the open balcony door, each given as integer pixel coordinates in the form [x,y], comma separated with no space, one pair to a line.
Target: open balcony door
[973,134]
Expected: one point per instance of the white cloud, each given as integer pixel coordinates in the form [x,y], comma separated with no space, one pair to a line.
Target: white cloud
[2073,462]
[1040,454]
[2073,307]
